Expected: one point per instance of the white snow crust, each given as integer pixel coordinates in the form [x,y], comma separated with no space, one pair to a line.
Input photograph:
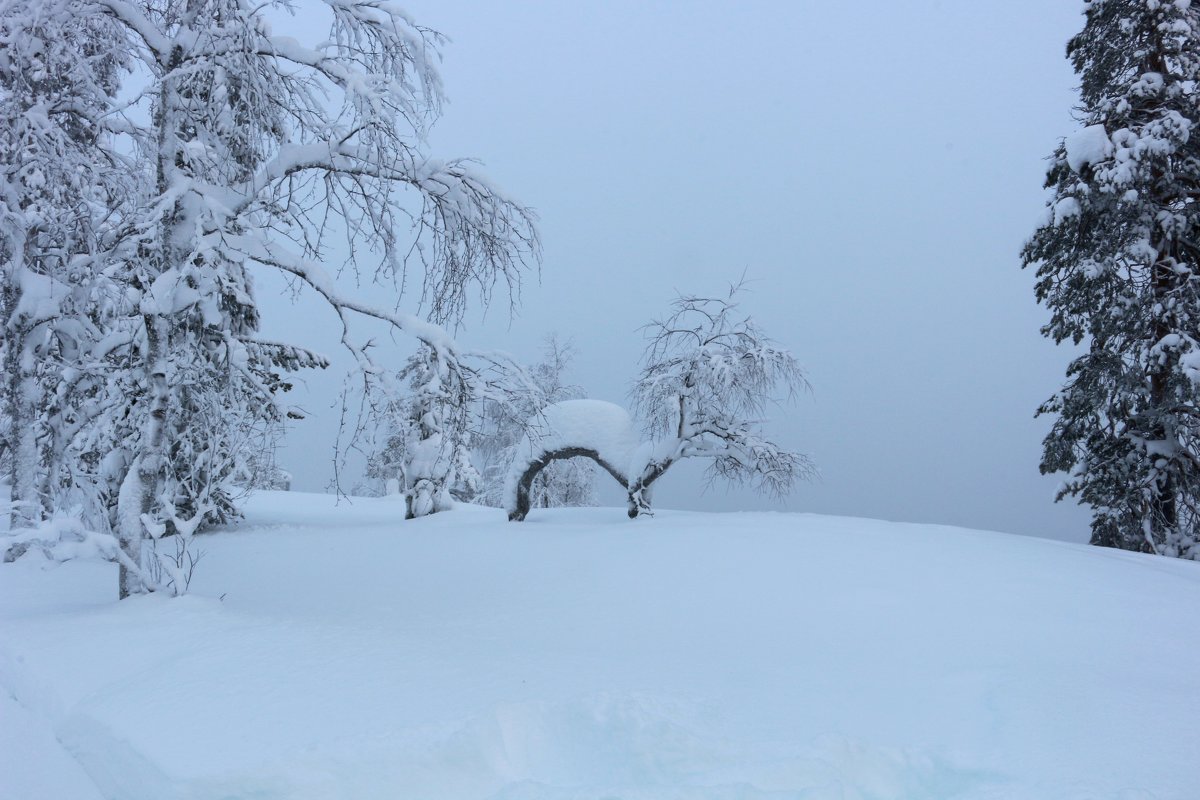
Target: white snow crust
[1088,145]
[596,425]
[583,655]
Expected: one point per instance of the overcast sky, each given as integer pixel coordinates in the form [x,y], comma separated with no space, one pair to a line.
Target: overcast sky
[874,167]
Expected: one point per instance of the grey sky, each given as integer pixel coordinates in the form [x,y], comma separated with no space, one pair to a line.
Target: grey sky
[874,167]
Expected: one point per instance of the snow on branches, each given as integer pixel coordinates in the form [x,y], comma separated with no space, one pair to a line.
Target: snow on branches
[1118,268]
[707,375]
[253,151]
[568,432]
[61,186]
[424,436]
[506,426]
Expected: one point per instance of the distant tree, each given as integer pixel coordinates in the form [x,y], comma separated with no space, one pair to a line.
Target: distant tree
[257,466]
[1118,267]
[503,424]
[707,375]
[423,437]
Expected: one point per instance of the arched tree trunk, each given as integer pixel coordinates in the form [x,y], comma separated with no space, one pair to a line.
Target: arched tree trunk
[639,489]
[536,465]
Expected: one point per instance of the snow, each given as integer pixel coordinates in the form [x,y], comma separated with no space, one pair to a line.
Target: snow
[35,765]
[1065,209]
[1088,145]
[597,425]
[41,296]
[583,655]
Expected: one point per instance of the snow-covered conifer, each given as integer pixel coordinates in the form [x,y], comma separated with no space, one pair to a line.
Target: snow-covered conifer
[1118,266]
[424,436]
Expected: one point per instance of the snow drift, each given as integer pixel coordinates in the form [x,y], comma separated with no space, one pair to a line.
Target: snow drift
[582,655]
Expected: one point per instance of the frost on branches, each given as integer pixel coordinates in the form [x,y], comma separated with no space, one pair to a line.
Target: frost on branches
[425,437]
[504,425]
[61,185]
[253,151]
[708,374]
[1118,261]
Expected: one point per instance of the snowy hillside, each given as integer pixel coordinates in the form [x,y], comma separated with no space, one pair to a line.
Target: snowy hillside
[582,655]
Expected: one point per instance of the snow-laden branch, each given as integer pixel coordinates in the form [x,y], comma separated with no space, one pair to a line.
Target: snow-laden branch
[131,16]
[316,277]
[708,374]
[64,538]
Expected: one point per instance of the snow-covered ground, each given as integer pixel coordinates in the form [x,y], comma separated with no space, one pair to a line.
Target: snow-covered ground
[333,651]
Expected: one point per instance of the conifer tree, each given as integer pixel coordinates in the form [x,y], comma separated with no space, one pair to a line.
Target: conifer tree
[425,437]
[1117,262]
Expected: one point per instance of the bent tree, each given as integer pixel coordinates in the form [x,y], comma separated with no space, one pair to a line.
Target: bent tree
[592,431]
[707,375]
[1118,264]
[504,424]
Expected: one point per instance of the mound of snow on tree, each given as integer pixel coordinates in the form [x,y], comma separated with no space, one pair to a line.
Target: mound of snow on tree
[1089,145]
[596,426]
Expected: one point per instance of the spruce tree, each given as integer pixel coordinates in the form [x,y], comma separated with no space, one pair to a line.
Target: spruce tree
[1117,262]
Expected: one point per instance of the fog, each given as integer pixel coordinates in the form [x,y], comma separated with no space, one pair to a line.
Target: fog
[873,168]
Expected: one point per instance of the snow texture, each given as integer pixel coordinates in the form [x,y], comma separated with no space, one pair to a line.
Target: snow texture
[596,425]
[1089,145]
[746,656]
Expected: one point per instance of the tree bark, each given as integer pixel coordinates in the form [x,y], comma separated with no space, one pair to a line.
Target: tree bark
[143,482]
[523,502]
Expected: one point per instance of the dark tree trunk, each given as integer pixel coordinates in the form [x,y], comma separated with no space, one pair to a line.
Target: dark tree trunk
[536,465]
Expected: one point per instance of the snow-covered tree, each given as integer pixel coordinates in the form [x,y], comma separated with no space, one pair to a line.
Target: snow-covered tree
[257,464]
[259,151]
[62,191]
[707,375]
[603,433]
[503,425]
[227,422]
[1118,267]
[423,436]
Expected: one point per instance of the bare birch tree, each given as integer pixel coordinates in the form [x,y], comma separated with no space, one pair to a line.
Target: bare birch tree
[708,375]
[263,151]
